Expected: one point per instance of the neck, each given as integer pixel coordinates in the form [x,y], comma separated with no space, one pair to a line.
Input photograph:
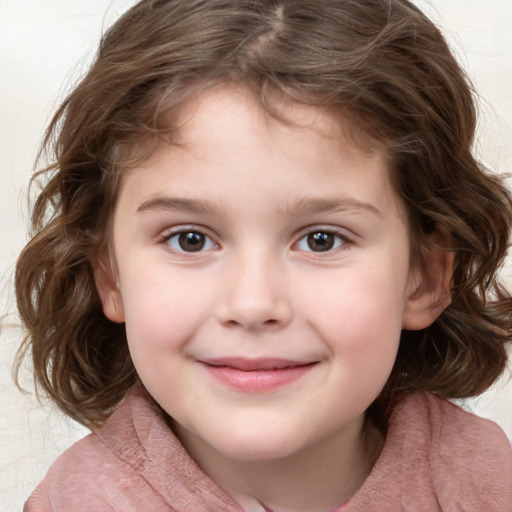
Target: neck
[316,479]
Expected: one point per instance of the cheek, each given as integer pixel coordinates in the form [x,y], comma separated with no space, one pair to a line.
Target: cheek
[163,309]
[360,319]
[163,313]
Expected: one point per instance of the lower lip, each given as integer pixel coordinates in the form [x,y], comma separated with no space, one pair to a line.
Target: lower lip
[258,380]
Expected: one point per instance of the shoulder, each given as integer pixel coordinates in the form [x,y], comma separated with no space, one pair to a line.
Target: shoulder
[469,458]
[133,462]
[76,471]
[93,475]
[454,431]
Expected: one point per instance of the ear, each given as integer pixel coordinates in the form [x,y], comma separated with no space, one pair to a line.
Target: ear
[430,285]
[108,290]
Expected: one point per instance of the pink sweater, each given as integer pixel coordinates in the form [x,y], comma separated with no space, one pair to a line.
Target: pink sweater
[436,458]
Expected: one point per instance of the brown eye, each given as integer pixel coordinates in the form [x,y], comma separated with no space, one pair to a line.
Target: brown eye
[320,241]
[190,241]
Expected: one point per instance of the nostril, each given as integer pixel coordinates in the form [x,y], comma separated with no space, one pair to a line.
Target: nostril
[252,325]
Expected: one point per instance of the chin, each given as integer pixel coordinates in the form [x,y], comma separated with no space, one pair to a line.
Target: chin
[259,447]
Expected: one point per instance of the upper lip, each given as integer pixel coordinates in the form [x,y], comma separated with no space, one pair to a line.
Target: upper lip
[248,365]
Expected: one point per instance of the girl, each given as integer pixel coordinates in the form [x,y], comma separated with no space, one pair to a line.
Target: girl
[263,258]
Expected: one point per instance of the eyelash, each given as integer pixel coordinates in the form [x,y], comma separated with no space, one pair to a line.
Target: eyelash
[339,243]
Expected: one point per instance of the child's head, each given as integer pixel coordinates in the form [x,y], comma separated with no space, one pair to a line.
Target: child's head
[376,74]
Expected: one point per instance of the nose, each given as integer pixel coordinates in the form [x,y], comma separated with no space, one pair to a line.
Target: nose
[255,296]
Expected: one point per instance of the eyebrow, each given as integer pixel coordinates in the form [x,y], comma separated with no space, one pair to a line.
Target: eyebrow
[301,206]
[333,205]
[176,204]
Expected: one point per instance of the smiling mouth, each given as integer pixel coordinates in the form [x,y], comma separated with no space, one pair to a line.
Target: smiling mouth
[257,375]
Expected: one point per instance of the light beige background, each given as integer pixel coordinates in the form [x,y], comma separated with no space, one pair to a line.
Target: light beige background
[44,46]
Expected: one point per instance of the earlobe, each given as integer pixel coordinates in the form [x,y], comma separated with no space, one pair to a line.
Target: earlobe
[429,292]
[108,290]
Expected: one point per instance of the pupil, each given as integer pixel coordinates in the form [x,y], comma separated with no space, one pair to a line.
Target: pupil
[321,241]
[191,242]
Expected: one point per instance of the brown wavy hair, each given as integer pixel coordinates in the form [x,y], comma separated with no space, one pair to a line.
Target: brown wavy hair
[381,63]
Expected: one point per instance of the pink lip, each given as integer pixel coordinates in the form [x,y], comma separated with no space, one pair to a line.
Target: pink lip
[253,375]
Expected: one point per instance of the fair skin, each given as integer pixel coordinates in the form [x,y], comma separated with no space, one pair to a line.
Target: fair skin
[263,274]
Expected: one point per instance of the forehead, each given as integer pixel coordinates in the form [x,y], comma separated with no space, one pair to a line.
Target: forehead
[226,140]
[272,111]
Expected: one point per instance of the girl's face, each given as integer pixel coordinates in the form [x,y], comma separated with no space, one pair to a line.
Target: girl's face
[264,279]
